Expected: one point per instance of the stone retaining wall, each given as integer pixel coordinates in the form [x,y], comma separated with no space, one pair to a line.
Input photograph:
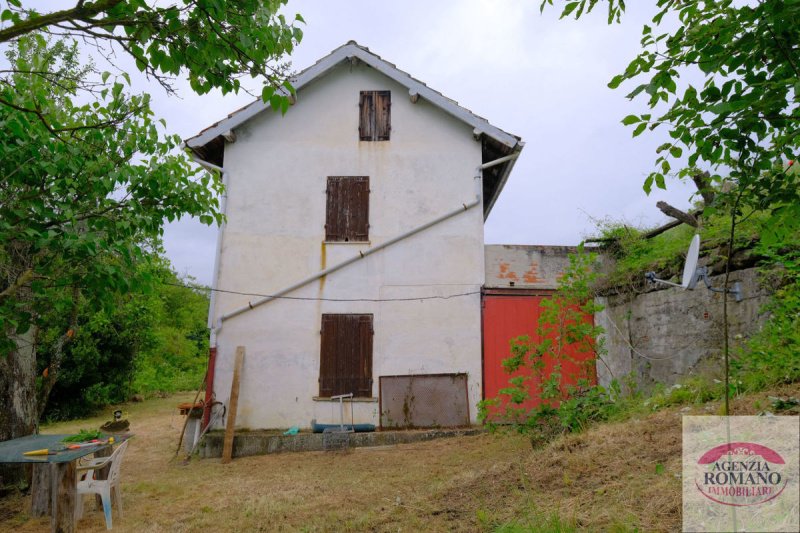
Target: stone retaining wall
[665,334]
[262,443]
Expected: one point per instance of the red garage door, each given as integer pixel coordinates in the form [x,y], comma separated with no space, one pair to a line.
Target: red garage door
[507,316]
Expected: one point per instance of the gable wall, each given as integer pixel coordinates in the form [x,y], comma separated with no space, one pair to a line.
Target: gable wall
[278,168]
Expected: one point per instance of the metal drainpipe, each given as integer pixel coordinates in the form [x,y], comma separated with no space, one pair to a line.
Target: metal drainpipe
[499,161]
[370,251]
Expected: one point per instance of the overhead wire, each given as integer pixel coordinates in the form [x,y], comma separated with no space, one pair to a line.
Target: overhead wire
[322,299]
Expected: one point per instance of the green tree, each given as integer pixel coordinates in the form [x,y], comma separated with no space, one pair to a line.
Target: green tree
[89,178]
[98,365]
[177,357]
[742,124]
[146,342]
[737,134]
[82,194]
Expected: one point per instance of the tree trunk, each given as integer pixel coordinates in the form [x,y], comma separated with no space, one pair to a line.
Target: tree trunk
[703,182]
[18,416]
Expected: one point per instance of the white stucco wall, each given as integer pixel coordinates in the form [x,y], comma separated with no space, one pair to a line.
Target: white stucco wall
[277,171]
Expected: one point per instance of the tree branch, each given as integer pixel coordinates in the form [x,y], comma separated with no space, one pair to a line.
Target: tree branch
[81,11]
[58,356]
[20,282]
[674,212]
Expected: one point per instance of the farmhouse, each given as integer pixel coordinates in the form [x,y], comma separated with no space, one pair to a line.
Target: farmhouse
[352,259]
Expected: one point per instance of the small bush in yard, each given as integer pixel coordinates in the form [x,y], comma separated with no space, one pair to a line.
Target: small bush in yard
[586,404]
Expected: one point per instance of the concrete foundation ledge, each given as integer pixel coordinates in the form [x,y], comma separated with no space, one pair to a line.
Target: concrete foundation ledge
[264,442]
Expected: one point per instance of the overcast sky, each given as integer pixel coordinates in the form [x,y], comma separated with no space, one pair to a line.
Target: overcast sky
[529,74]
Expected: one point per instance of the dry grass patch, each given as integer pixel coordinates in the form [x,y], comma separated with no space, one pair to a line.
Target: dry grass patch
[381,489]
[622,476]
[607,478]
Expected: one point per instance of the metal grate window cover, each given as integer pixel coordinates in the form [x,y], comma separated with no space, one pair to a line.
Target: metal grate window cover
[424,401]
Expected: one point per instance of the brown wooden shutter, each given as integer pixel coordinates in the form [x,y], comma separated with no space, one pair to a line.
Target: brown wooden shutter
[383,115]
[327,356]
[366,112]
[346,355]
[358,222]
[334,230]
[363,385]
[347,212]
[375,115]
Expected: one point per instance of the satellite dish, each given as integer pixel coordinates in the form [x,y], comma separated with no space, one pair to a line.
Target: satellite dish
[690,267]
[692,273]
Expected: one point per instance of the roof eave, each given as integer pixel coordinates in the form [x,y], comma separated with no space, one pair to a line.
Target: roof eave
[345,52]
[507,168]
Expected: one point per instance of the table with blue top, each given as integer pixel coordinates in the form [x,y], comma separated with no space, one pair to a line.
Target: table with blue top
[54,486]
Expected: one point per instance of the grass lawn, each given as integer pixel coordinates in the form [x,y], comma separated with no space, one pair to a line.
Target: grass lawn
[607,478]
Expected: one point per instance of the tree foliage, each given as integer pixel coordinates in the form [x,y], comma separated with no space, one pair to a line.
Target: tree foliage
[89,178]
[146,343]
[73,214]
[213,42]
[743,121]
[87,188]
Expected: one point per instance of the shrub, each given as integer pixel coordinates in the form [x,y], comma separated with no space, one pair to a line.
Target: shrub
[147,343]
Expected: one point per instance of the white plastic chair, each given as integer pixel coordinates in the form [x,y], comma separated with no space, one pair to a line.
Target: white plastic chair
[103,487]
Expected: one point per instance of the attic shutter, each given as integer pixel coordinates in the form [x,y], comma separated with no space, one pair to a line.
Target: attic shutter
[383,115]
[374,111]
[347,212]
[346,355]
[366,110]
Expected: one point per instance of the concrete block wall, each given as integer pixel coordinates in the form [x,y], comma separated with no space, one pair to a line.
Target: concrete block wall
[668,333]
[525,266]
